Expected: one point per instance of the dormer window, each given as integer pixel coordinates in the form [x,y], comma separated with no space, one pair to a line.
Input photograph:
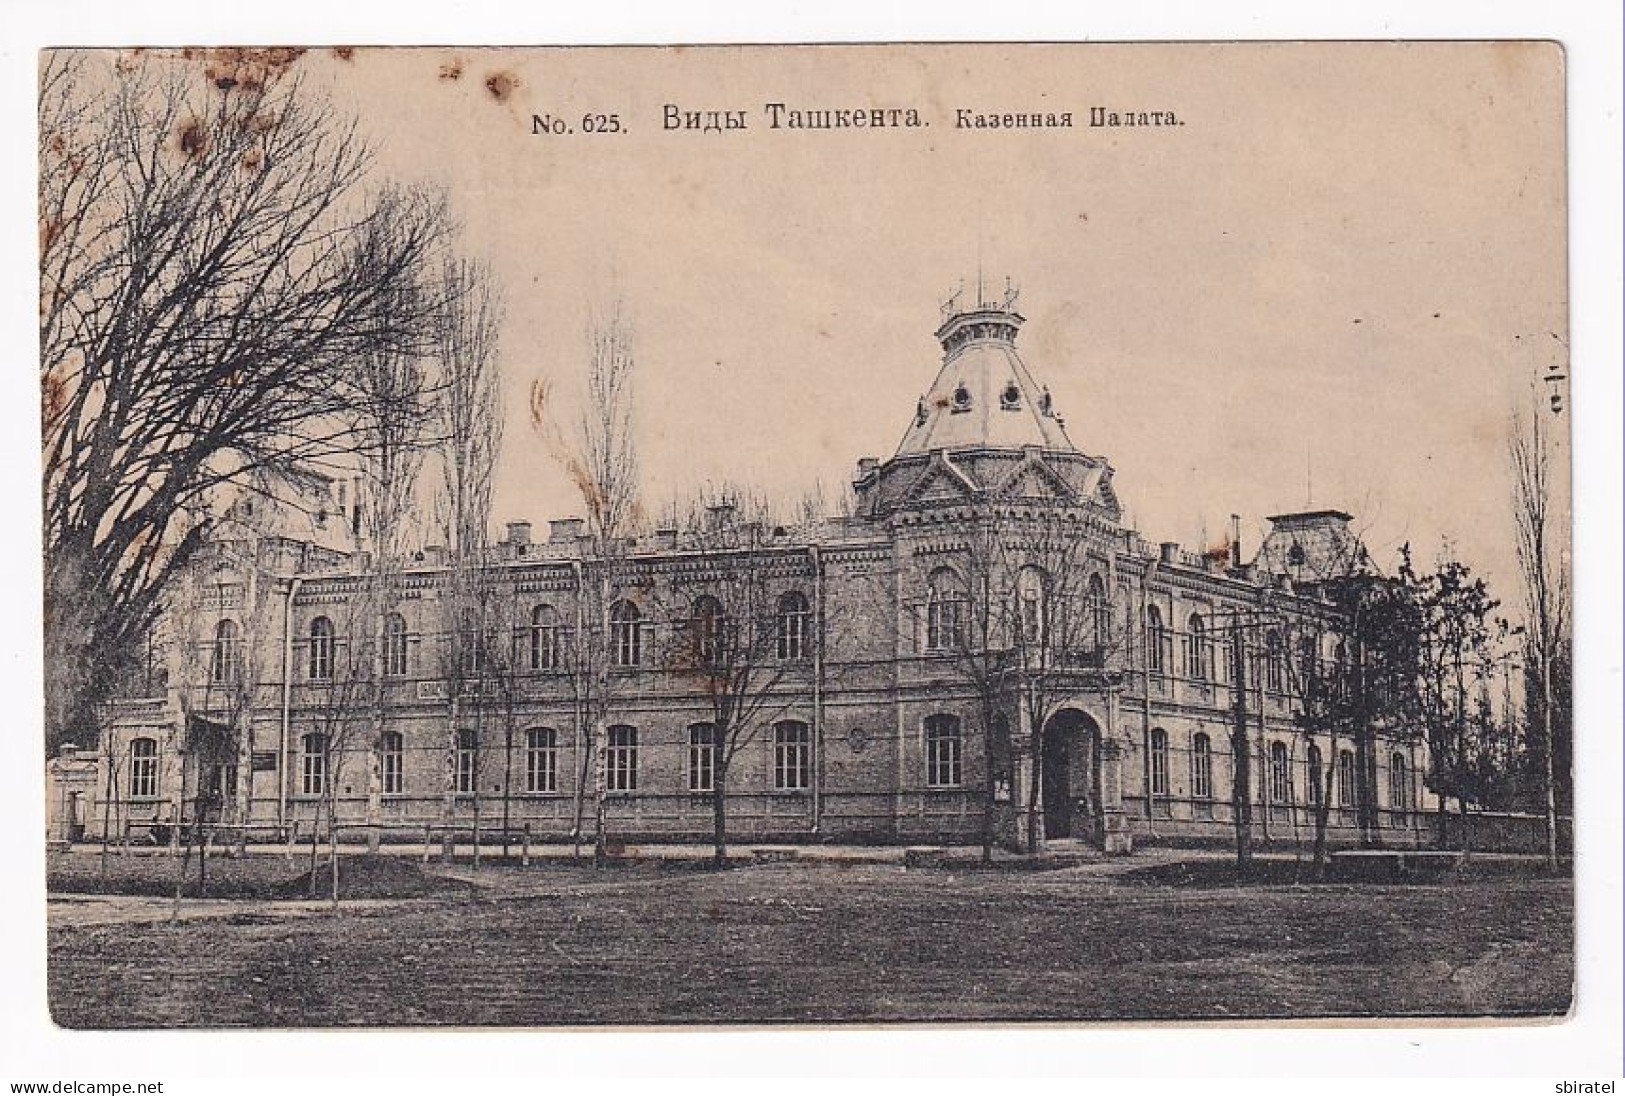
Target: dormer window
[1010,398]
[920,414]
[1046,405]
[961,399]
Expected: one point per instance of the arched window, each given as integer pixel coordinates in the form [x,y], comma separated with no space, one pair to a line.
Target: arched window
[944,611]
[546,648]
[1345,779]
[1196,648]
[795,620]
[226,660]
[1280,774]
[143,768]
[394,645]
[943,749]
[1100,614]
[471,641]
[1399,788]
[626,634]
[1202,766]
[321,649]
[1030,586]
[1159,762]
[702,757]
[621,760]
[313,764]
[1158,642]
[792,756]
[707,626]
[1308,661]
[1274,662]
[541,760]
[1317,774]
[468,761]
[392,762]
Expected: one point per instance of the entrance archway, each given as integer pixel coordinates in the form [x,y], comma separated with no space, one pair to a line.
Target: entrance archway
[1070,776]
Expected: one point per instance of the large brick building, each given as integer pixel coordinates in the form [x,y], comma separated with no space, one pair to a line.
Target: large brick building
[904,689]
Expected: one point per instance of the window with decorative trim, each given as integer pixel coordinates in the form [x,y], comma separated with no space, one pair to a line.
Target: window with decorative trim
[944,748]
[626,634]
[1202,766]
[392,763]
[1345,779]
[313,764]
[1159,763]
[468,761]
[795,624]
[702,758]
[621,759]
[541,761]
[394,645]
[944,611]
[546,639]
[226,659]
[143,768]
[792,756]
[1280,773]
[320,663]
[1197,657]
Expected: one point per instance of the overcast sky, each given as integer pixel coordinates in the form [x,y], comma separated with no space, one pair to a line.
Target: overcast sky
[1345,267]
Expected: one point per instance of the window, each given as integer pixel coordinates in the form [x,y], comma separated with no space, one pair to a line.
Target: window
[944,612]
[795,617]
[621,760]
[143,768]
[1158,641]
[1274,662]
[626,634]
[943,749]
[1159,762]
[1202,766]
[541,760]
[468,762]
[1280,774]
[1399,788]
[321,649]
[471,641]
[1308,660]
[792,756]
[394,645]
[313,764]
[1030,606]
[1317,776]
[1345,779]
[702,756]
[706,625]
[226,660]
[391,758]
[1100,614]
[1196,649]
[546,635]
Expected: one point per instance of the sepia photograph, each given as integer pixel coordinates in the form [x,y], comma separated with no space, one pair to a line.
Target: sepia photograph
[806,535]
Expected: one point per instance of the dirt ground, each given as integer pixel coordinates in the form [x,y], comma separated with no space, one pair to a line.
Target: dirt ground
[777,943]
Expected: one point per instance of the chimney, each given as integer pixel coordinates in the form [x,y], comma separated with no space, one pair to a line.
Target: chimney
[867,467]
[434,555]
[519,535]
[1169,551]
[1235,540]
[666,538]
[565,530]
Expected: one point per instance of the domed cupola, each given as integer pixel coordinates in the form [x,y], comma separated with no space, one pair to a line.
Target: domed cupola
[983,396]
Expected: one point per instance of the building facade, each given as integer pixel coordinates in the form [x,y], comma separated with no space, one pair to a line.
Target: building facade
[982,641]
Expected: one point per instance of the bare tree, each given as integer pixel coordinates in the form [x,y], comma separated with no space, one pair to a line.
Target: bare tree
[466,333]
[600,456]
[210,273]
[745,633]
[1543,569]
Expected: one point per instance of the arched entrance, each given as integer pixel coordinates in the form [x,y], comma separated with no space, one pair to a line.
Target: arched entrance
[1070,776]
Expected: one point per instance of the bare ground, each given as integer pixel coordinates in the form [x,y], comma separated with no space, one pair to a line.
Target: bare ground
[831,943]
